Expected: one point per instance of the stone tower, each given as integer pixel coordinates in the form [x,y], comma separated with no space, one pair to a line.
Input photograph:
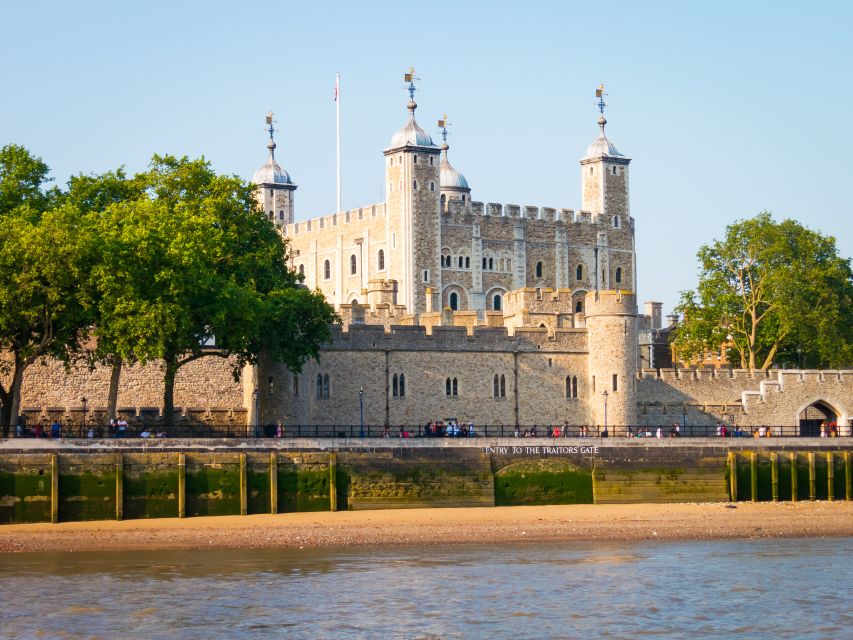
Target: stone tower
[275,188]
[611,322]
[413,231]
[604,175]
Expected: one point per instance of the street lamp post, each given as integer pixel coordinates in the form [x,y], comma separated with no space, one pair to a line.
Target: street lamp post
[257,411]
[604,394]
[361,412]
[800,356]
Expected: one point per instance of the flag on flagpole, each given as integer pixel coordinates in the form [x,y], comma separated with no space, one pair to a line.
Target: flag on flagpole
[337,78]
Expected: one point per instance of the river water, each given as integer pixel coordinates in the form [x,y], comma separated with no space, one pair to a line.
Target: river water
[714,589]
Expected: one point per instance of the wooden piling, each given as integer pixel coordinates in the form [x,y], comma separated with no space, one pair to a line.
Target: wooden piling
[848,477]
[830,476]
[119,486]
[244,489]
[733,476]
[333,481]
[793,476]
[54,488]
[273,482]
[753,475]
[812,477]
[774,476]
[182,485]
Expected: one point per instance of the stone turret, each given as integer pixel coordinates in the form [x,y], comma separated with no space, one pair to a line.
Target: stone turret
[414,224]
[275,188]
[611,322]
[604,177]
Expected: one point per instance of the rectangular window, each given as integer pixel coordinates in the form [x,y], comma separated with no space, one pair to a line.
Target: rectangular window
[593,384]
[615,382]
[426,276]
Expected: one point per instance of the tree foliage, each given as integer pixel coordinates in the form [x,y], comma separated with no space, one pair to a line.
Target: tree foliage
[154,266]
[770,291]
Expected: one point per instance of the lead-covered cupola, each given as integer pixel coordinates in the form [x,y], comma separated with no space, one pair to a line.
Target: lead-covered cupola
[453,184]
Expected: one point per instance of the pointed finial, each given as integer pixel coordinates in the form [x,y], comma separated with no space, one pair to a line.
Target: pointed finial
[442,126]
[600,93]
[271,129]
[410,78]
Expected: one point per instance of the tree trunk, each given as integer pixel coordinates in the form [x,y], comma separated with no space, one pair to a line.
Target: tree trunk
[11,417]
[169,392]
[112,398]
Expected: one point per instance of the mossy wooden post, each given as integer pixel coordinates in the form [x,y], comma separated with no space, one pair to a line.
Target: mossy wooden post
[54,488]
[848,477]
[333,481]
[774,476]
[733,476]
[830,476]
[119,486]
[753,476]
[244,489]
[812,477]
[793,476]
[182,485]
[273,482]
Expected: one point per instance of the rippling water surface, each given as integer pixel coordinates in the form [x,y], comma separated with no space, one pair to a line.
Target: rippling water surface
[723,589]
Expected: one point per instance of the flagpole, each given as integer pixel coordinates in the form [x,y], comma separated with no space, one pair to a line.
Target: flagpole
[338,140]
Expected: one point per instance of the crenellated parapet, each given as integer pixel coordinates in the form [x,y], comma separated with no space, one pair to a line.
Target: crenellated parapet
[324,223]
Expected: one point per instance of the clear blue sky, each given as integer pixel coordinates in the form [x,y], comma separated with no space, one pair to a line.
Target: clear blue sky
[726,108]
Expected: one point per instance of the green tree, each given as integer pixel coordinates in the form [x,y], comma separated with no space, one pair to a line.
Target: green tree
[192,260]
[22,181]
[770,290]
[92,195]
[42,312]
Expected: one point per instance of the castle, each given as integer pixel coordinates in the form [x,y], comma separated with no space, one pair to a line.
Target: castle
[497,314]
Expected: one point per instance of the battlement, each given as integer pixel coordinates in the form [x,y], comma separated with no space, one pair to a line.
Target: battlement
[604,303]
[418,337]
[547,214]
[322,223]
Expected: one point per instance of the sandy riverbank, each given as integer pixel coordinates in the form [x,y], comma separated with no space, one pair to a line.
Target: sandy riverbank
[443,526]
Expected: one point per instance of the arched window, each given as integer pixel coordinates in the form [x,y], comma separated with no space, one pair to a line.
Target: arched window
[485,263]
[568,386]
[503,386]
[402,385]
[579,272]
[501,265]
[353,265]
[271,215]
[496,387]
[380,260]
[415,185]
[326,386]
[618,275]
[319,386]
[302,270]
[455,387]
[394,386]
[538,269]
[431,184]
[467,262]
[574,386]
[463,198]
[615,221]
[443,201]
[491,264]
[327,270]
[448,387]
[496,302]
[461,261]
[454,301]
[281,215]
[579,306]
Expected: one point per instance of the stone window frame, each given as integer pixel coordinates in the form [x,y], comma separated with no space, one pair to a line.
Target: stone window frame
[302,270]
[323,386]
[615,383]
[327,269]
[617,222]
[451,387]
[579,272]
[618,275]
[380,260]
[353,265]
[539,269]
[398,386]
[432,186]
[414,185]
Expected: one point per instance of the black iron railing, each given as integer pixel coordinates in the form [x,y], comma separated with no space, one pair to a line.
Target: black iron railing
[59,430]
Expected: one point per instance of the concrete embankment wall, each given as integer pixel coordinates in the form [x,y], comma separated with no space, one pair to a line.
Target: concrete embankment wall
[51,481]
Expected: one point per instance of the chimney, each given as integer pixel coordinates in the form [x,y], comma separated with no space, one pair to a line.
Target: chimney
[654,310]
